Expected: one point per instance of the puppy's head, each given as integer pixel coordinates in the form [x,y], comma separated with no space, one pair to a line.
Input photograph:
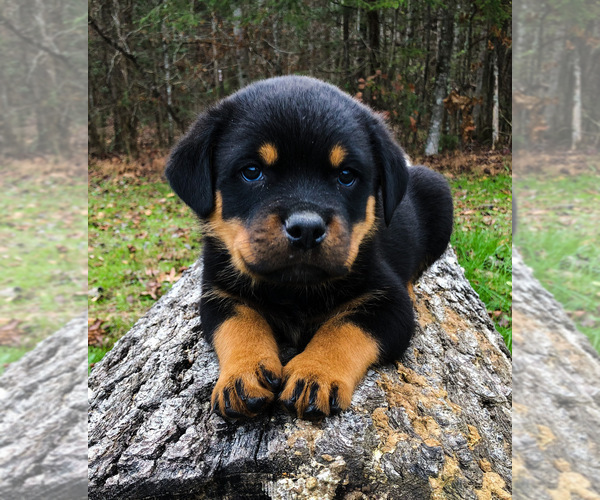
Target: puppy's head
[289,175]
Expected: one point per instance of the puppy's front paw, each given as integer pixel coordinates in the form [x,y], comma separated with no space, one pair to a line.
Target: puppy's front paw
[313,390]
[245,390]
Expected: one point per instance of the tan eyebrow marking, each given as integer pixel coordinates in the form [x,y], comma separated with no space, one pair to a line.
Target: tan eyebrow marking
[337,155]
[268,153]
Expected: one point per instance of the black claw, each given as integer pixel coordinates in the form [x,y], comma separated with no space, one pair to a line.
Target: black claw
[290,404]
[229,411]
[298,390]
[282,388]
[312,397]
[239,389]
[313,413]
[255,405]
[273,381]
[226,400]
[334,404]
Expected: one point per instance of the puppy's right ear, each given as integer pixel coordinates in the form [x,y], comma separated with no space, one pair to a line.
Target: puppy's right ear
[189,169]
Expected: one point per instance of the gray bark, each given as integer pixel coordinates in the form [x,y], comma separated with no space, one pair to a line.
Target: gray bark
[43,452]
[241,52]
[168,85]
[557,398]
[436,425]
[444,56]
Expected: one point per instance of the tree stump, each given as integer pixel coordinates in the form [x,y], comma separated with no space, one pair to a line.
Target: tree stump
[436,425]
[556,418]
[43,453]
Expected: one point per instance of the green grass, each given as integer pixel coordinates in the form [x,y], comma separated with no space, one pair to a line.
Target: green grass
[559,239]
[10,354]
[141,237]
[43,261]
[95,354]
[482,240]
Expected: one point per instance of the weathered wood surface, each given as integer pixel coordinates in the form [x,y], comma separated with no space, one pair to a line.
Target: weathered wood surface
[43,431]
[557,398]
[438,425]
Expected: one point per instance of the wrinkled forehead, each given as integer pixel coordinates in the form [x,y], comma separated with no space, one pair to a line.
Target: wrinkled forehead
[296,128]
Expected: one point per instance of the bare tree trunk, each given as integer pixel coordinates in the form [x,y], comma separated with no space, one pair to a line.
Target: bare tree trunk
[360,61]
[95,145]
[373,37]
[495,100]
[277,50]
[408,21]
[442,76]
[241,53]
[436,425]
[478,109]
[217,72]
[469,46]
[168,86]
[392,68]
[423,92]
[504,60]
[346,43]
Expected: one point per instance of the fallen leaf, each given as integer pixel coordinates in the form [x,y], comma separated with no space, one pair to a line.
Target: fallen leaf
[96,333]
[11,334]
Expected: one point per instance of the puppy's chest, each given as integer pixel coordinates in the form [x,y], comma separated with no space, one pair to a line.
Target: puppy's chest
[295,322]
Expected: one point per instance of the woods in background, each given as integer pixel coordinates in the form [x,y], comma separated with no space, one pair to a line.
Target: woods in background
[439,71]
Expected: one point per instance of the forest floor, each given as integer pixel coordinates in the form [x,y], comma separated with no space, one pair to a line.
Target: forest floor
[558,199]
[141,238]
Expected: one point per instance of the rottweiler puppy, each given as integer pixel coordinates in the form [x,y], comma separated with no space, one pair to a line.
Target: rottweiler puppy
[314,226]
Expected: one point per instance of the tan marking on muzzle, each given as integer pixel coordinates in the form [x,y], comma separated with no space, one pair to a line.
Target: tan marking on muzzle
[360,231]
[232,233]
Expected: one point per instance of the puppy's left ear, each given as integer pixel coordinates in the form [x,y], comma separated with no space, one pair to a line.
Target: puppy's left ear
[392,165]
[190,170]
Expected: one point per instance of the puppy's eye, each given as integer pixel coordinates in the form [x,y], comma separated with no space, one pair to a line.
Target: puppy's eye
[346,178]
[251,173]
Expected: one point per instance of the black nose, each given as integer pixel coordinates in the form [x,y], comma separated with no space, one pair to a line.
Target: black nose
[305,230]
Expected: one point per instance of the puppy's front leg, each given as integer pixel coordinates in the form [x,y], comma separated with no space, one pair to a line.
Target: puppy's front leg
[321,379]
[250,367]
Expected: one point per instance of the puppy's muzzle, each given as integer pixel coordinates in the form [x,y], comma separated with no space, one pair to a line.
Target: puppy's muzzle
[305,230]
